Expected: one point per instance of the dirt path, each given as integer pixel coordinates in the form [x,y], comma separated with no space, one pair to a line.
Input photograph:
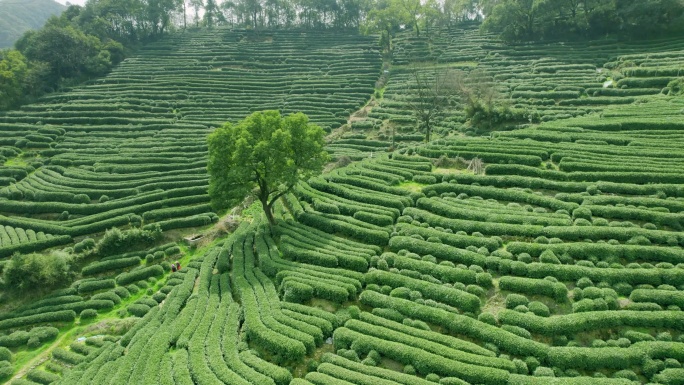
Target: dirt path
[358,115]
[39,359]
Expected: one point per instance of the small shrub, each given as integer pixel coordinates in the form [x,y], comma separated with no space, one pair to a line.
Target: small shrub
[88,314]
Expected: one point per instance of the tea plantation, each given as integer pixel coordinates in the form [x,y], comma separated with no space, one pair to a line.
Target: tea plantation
[547,251]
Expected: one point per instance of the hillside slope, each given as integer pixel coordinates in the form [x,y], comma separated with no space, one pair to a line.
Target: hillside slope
[559,261]
[132,146]
[18,16]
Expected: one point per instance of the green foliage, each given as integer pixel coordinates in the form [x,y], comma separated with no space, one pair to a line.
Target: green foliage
[264,151]
[139,274]
[84,245]
[55,316]
[28,272]
[115,240]
[6,370]
[676,86]
[15,77]
[95,285]
[557,291]
[519,20]
[5,354]
[110,265]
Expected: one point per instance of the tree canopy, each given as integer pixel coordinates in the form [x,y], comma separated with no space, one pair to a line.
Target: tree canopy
[26,272]
[521,20]
[265,154]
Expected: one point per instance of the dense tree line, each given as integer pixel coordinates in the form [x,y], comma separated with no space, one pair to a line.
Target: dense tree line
[514,20]
[521,20]
[81,43]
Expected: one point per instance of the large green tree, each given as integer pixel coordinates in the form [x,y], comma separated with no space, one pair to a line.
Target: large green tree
[13,73]
[386,17]
[265,154]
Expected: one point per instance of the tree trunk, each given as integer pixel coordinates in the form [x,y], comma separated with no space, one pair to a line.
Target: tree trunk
[267,210]
[389,40]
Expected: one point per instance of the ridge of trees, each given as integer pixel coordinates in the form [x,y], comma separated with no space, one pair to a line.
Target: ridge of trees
[524,20]
[80,44]
[86,42]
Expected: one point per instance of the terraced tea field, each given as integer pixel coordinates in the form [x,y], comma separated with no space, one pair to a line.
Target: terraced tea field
[561,261]
[540,82]
[131,148]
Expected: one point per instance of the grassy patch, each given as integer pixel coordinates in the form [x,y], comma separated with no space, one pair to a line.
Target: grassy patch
[449,171]
[496,301]
[17,162]
[412,186]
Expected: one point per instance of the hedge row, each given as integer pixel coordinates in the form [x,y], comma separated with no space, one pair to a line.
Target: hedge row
[446,208]
[336,224]
[434,347]
[336,203]
[529,286]
[67,356]
[661,297]
[6,251]
[453,297]
[226,347]
[489,157]
[512,180]
[302,252]
[263,329]
[320,237]
[585,322]
[373,198]
[55,316]
[423,361]
[139,274]
[458,324]
[568,233]
[605,251]
[95,285]
[498,194]
[20,337]
[452,342]
[444,273]
[362,181]
[380,373]
[438,250]
[517,379]
[637,178]
[456,240]
[571,273]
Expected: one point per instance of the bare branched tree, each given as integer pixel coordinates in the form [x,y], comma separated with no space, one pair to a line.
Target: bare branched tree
[476,165]
[430,95]
[476,91]
[434,91]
